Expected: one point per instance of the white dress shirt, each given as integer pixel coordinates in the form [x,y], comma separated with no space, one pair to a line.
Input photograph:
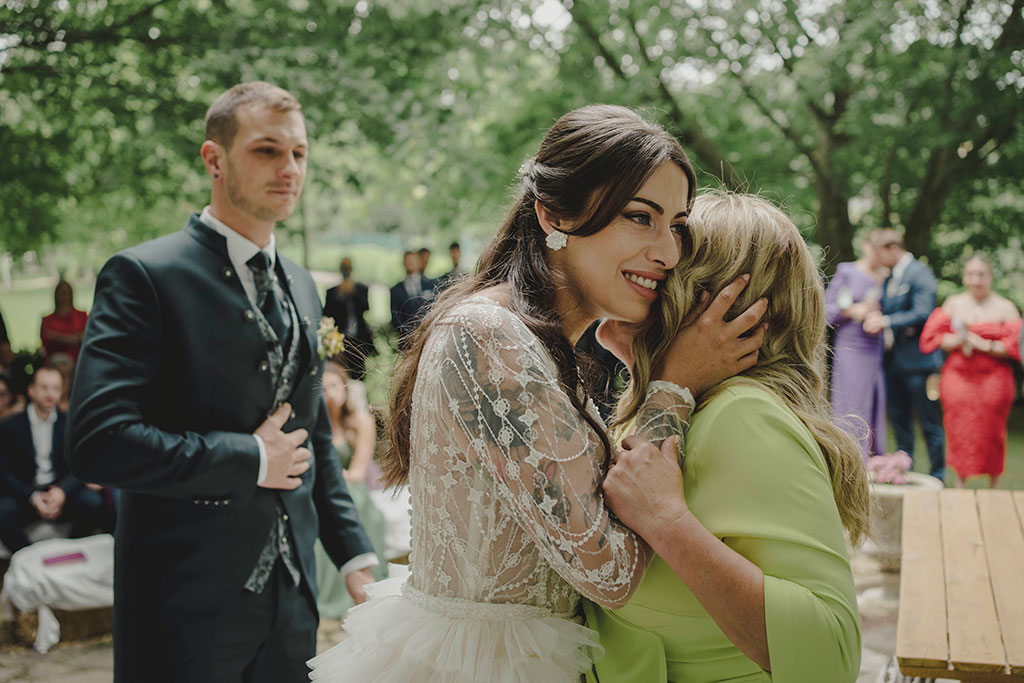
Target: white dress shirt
[898,270]
[42,440]
[414,284]
[240,250]
[894,282]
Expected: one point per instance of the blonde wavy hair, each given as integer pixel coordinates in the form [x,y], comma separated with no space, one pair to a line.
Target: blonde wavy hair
[729,235]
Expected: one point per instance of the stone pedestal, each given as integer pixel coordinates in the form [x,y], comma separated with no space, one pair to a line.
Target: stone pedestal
[883,542]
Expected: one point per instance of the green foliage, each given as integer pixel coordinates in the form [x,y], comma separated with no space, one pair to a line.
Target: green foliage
[854,114]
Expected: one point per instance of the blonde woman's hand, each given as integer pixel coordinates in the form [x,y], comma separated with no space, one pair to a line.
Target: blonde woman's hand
[644,488]
[708,349]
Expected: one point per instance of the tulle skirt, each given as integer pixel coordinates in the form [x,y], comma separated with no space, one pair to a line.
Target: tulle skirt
[402,635]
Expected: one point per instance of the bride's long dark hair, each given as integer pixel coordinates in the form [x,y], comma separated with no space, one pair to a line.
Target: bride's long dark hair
[589,165]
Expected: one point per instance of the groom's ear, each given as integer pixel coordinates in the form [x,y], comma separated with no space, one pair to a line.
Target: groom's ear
[210,151]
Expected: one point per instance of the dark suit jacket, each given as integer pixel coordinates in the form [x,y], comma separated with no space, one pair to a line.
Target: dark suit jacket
[18,458]
[172,381]
[335,307]
[407,311]
[908,303]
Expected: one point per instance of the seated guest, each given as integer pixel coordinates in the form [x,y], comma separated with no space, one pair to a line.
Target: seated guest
[34,480]
[62,330]
[6,355]
[354,436]
[10,402]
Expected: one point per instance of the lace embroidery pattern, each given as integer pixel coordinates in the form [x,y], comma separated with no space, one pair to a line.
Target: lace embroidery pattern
[664,412]
[504,475]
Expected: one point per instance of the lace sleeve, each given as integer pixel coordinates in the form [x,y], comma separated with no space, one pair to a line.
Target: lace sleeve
[541,456]
[664,412]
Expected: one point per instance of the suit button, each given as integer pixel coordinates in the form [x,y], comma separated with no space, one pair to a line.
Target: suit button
[263,366]
[284,517]
[293,415]
[249,315]
[313,371]
[227,273]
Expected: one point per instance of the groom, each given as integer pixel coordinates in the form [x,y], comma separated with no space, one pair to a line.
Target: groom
[198,395]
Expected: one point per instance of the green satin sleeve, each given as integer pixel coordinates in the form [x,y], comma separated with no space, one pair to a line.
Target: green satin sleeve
[755,477]
[759,481]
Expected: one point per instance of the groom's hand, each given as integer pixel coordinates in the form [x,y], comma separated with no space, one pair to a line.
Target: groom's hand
[286,459]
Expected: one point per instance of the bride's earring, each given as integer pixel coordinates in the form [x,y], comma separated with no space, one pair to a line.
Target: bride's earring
[556,240]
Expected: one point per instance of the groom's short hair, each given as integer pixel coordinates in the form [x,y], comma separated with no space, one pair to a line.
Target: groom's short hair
[885,237]
[221,121]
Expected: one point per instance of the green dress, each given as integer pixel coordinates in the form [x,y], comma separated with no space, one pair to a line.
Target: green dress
[755,477]
[333,599]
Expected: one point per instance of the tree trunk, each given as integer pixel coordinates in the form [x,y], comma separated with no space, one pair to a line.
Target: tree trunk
[935,190]
[835,232]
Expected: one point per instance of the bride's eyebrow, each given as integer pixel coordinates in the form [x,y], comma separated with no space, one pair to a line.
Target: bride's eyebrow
[657,207]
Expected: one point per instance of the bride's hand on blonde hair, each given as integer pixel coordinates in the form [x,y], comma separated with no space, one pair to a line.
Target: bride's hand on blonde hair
[708,349]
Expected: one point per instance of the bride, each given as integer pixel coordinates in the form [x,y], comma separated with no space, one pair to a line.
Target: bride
[502,450]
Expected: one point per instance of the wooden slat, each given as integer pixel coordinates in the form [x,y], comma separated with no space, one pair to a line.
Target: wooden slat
[973,676]
[974,640]
[921,629]
[1004,547]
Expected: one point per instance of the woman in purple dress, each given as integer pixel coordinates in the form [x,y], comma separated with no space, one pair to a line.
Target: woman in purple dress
[858,381]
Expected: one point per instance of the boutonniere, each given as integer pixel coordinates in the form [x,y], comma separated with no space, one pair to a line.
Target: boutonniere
[331,342]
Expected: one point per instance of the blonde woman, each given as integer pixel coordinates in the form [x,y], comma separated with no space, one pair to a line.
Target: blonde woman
[751,581]
[354,438]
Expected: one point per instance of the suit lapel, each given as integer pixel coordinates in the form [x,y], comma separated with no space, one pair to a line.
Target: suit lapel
[215,242]
[307,311]
[57,450]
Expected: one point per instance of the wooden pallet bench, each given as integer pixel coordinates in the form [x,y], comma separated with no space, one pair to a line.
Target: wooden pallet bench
[961,609]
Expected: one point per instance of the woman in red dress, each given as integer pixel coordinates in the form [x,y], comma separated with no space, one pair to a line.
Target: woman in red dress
[62,330]
[978,330]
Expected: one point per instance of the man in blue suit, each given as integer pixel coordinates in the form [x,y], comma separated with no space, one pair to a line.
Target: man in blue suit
[908,298]
[198,394]
[34,480]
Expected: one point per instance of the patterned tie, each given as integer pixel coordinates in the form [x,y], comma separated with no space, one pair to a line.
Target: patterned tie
[266,298]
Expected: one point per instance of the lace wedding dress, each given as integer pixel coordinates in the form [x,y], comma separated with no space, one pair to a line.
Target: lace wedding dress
[507,527]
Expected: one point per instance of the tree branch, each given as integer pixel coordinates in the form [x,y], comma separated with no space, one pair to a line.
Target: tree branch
[703,147]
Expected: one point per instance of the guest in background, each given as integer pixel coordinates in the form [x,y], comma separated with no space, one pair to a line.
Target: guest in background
[453,275]
[858,379]
[348,303]
[409,298]
[908,297]
[10,402]
[979,331]
[424,254]
[6,354]
[65,365]
[62,331]
[34,480]
[354,436]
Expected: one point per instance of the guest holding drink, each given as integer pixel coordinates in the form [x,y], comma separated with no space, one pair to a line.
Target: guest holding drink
[858,379]
[978,330]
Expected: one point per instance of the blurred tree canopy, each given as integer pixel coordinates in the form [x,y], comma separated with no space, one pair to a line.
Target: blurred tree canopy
[854,114]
